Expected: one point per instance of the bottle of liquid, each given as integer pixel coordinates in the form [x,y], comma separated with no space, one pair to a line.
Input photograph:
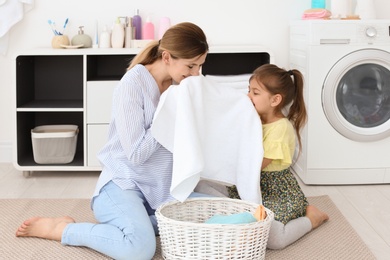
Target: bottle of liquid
[118,34]
[148,31]
[137,23]
[105,38]
[340,8]
[365,9]
[95,43]
[165,23]
[129,35]
[82,38]
[318,4]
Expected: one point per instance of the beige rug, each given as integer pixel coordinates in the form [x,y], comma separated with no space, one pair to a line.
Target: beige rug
[335,239]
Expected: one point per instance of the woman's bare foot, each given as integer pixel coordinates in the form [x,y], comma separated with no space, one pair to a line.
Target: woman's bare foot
[49,228]
[317,217]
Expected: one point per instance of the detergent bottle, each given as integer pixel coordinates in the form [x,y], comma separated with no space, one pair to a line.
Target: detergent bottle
[118,34]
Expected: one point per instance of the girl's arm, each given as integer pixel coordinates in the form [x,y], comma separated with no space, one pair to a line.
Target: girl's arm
[265,163]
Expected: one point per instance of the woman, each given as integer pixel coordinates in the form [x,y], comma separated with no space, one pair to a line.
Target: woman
[136,174]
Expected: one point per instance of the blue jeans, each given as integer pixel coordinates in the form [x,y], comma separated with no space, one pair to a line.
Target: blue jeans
[127,225]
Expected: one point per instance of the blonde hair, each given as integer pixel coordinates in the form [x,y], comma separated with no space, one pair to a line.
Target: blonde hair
[288,84]
[183,41]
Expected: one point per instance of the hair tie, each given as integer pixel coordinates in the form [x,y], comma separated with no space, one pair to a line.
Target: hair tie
[290,72]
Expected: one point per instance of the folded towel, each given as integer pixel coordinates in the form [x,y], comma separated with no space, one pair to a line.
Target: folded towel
[316,13]
[214,132]
[238,218]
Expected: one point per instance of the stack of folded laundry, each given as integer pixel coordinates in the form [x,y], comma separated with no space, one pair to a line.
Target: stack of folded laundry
[316,14]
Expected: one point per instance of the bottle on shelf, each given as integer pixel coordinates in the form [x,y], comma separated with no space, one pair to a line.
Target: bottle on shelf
[318,4]
[129,32]
[95,43]
[105,38]
[118,34]
[164,25]
[365,9]
[148,30]
[82,39]
[137,23]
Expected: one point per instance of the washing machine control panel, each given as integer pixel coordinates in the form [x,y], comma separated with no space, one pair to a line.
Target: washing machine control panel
[373,33]
[343,32]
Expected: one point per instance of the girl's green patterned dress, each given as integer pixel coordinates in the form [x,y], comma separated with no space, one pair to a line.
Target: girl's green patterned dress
[280,190]
[281,194]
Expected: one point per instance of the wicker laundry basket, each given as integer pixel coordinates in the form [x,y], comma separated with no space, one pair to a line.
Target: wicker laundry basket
[184,235]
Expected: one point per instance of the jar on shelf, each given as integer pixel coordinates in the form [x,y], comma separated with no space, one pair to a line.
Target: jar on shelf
[82,39]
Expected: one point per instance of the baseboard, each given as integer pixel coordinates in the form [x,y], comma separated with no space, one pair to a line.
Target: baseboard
[5,152]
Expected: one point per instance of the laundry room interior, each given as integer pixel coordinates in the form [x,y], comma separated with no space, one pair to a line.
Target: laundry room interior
[342,48]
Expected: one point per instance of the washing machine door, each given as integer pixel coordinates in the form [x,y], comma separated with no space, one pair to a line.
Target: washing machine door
[356,95]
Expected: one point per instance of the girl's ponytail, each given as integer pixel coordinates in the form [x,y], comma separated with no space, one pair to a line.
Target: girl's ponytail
[297,113]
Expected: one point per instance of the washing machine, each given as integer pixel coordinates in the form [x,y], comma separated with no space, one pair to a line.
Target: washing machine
[346,67]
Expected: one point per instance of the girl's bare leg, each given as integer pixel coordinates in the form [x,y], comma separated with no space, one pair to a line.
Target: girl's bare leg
[49,228]
[317,217]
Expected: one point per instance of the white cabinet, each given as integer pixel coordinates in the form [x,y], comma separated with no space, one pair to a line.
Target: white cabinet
[66,87]
[97,136]
[99,103]
[75,86]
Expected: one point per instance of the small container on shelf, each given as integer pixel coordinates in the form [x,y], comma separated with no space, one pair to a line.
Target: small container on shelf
[82,39]
[54,144]
[59,40]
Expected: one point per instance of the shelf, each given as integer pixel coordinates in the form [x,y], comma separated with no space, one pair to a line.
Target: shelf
[27,159]
[52,105]
[42,79]
[80,51]
[26,121]
[107,67]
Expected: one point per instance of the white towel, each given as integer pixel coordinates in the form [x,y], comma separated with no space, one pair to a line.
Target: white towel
[230,78]
[240,82]
[214,132]
[11,12]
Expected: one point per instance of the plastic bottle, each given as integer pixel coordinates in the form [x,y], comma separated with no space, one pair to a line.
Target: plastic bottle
[339,8]
[318,4]
[118,34]
[137,23]
[365,9]
[129,35]
[165,23]
[148,30]
[105,38]
[95,43]
[82,38]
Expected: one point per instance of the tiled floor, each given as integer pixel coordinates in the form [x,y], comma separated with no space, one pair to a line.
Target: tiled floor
[365,206]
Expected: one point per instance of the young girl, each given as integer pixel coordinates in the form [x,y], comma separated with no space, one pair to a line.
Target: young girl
[271,89]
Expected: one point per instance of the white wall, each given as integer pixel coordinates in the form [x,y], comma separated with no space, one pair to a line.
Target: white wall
[225,22]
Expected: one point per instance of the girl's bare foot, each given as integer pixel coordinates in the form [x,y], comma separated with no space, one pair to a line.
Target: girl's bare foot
[317,217]
[49,228]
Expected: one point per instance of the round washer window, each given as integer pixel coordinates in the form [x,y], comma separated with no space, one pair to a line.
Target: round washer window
[356,95]
[363,95]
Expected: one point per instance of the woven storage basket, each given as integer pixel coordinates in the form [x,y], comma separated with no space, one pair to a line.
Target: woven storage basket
[184,235]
